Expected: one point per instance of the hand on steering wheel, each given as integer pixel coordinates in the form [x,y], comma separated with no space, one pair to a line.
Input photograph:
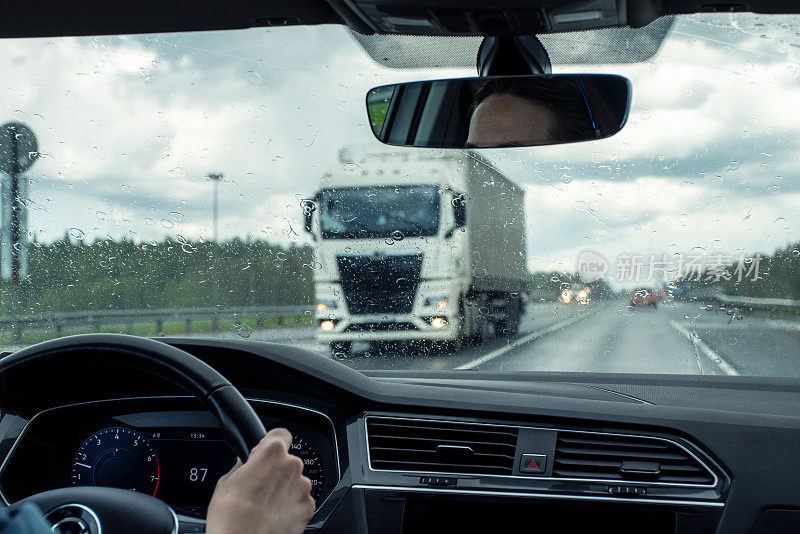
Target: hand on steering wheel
[123,512]
[247,501]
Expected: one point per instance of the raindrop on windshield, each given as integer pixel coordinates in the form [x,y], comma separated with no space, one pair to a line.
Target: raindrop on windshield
[243,330]
[77,234]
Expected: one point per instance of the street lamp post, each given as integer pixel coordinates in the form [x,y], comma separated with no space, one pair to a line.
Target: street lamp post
[215,177]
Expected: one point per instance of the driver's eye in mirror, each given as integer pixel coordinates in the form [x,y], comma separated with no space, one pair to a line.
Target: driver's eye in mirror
[500,111]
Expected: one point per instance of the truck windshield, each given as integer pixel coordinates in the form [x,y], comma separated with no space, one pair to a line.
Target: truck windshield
[373,212]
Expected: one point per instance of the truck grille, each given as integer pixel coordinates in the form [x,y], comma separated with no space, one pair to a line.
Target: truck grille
[379,284]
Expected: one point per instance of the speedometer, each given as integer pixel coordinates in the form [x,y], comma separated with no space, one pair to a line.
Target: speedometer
[181,466]
[117,457]
[312,465]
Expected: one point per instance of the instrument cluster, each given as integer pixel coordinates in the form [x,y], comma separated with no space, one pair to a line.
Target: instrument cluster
[176,455]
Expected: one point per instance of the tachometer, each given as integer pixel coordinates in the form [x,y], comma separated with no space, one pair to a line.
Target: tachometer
[312,464]
[117,457]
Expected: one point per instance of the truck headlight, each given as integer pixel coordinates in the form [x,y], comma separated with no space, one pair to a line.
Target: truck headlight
[438,322]
[438,302]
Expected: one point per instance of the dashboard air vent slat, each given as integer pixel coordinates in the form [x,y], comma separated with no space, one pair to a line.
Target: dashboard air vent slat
[440,446]
[632,458]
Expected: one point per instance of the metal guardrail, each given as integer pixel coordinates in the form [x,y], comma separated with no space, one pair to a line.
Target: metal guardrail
[96,319]
[753,302]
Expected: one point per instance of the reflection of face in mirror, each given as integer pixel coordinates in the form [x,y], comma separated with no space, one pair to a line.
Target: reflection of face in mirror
[503,120]
[499,111]
[536,113]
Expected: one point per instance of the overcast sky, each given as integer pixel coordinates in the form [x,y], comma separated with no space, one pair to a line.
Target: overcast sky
[129,126]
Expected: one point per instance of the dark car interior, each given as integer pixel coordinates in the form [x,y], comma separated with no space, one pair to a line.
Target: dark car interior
[418,452]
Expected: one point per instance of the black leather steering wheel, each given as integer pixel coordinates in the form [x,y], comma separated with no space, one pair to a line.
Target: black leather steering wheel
[121,511]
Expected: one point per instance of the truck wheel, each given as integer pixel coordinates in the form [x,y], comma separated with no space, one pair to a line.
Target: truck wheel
[509,326]
[341,349]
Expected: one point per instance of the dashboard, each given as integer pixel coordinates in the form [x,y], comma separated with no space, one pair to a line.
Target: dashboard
[424,452]
[165,447]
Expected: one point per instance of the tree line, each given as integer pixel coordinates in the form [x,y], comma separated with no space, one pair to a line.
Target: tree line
[108,274]
[777,276]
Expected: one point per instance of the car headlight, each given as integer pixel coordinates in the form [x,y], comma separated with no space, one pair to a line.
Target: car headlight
[327,325]
[438,302]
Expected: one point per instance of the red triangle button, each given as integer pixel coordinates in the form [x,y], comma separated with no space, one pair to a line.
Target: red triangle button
[533,463]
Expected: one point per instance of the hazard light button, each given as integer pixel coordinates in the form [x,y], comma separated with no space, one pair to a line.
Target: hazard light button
[533,463]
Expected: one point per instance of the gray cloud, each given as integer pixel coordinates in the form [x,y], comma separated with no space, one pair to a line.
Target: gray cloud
[131,125]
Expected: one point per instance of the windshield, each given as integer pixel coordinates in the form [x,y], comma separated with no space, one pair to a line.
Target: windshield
[371,212]
[201,184]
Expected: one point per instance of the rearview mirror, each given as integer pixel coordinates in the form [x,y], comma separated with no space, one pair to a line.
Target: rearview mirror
[499,111]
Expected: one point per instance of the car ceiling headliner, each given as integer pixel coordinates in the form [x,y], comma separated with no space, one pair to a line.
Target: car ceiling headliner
[50,18]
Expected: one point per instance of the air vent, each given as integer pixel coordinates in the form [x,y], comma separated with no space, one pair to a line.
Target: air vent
[440,446]
[633,458]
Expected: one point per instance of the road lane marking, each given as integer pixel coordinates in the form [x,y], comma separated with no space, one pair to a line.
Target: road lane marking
[775,324]
[710,353]
[536,334]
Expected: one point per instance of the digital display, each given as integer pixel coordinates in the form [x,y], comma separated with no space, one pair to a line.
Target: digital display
[191,463]
[177,455]
[179,466]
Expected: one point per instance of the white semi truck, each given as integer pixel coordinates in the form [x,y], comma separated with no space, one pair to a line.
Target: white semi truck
[429,249]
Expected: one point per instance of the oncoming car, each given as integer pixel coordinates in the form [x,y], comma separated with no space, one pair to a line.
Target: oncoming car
[646,297]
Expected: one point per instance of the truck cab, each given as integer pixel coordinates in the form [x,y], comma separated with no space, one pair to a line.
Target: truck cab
[392,256]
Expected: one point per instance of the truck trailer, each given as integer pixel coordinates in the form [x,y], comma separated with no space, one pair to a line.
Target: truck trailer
[425,248]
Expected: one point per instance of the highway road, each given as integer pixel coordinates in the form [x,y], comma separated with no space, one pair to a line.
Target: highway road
[608,336]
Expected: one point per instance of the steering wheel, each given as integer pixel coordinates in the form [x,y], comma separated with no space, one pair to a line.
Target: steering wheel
[90,510]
